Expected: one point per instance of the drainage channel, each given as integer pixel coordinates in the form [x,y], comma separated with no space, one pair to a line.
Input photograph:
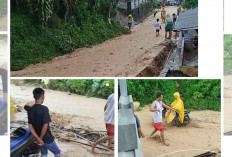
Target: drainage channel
[157,64]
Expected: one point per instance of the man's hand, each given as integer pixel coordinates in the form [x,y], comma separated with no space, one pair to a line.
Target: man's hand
[40,142]
[143,136]
[158,110]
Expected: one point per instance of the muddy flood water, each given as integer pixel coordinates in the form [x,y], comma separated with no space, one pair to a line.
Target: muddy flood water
[227,103]
[70,110]
[202,134]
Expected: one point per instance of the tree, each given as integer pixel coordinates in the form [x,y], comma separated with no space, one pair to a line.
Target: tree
[188,4]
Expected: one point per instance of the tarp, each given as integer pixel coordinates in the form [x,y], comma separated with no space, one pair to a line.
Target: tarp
[178,106]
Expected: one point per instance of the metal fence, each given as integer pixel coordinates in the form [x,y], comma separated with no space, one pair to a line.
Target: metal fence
[139,9]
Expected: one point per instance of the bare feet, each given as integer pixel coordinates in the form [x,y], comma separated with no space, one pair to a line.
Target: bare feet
[166,144]
[93,147]
[111,147]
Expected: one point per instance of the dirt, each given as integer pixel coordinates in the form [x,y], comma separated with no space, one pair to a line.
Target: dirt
[104,59]
[68,110]
[3,23]
[227,103]
[156,65]
[202,134]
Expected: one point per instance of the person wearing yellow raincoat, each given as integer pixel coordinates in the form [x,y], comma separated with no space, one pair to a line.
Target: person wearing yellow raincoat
[163,14]
[178,106]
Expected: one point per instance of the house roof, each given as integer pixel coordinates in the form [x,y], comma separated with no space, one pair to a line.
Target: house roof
[187,20]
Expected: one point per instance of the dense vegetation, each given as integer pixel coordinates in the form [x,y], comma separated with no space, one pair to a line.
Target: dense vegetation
[90,88]
[42,30]
[188,4]
[196,94]
[227,54]
[3,7]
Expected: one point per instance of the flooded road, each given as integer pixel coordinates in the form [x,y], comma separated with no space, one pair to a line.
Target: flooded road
[227,103]
[72,111]
[134,52]
[203,133]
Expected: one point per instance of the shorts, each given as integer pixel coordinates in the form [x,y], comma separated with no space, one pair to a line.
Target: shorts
[157,31]
[110,129]
[52,147]
[159,126]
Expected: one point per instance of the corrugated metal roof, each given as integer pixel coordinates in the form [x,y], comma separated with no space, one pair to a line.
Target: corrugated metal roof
[187,20]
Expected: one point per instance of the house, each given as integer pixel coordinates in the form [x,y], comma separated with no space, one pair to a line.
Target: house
[184,57]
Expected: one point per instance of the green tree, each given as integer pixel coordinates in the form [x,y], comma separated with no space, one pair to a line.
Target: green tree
[188,4]
[196,94]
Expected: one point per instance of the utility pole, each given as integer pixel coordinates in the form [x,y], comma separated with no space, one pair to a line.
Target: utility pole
[128,140]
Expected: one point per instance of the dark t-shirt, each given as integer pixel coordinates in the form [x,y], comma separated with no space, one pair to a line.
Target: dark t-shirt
[138,124]
[38,115]
[3,74]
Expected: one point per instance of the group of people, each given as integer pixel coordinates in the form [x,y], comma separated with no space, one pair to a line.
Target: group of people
[157,108]
[39,119]
[169,21]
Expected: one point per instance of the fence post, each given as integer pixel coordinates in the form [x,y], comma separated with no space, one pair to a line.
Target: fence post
[128,7]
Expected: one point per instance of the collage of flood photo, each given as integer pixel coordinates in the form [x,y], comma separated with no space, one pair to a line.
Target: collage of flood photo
[115,78]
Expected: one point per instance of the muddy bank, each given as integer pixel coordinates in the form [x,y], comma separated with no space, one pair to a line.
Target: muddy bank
[227,103]
[104,59]
[68,111]
[203,133]
[156,64]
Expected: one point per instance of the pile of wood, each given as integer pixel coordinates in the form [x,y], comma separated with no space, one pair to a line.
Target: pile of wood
[83,136]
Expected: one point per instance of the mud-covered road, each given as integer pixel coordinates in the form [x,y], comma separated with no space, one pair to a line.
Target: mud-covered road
[73,110]
[126,55]
[202,134]
[227,103]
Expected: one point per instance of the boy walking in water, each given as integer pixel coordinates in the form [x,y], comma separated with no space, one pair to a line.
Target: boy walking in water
[109,121]
[157,27]
[156,108]
[39,119]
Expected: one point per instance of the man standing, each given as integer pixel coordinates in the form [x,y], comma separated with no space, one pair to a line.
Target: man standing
[109,121]
[156,108]
[39,119]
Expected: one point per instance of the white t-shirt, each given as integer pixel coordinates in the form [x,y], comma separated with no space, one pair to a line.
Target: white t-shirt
[158,115]
[157,26]
[109,113]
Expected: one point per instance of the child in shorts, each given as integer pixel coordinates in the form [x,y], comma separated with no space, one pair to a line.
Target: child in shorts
[157,27]
[139,128]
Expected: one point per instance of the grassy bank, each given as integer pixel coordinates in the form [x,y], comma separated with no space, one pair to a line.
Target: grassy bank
[31,44]
[196,94]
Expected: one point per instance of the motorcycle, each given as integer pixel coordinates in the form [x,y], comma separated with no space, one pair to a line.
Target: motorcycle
[195,42]
[186,121]
[176,121]
[22,143]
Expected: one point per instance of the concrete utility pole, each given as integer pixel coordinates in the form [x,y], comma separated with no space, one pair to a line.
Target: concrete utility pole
[128,140]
